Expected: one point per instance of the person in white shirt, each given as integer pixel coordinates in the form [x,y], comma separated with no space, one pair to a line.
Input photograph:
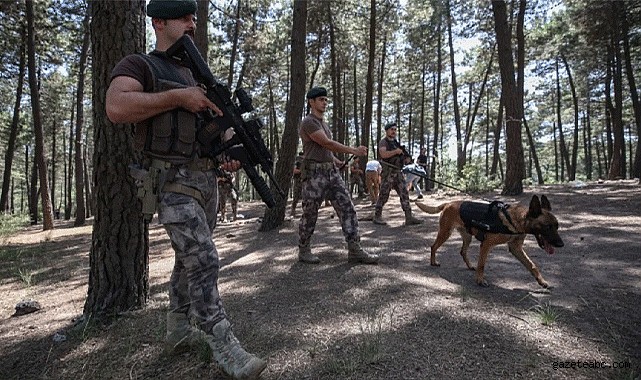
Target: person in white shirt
[373,170]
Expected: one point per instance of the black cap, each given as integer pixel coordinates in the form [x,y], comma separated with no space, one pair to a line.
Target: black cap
[315,92]
[171,9]
[390,125]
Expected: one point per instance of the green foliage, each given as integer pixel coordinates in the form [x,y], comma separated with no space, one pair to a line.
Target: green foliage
[474,180]
[12,223]
[547,314]
[26,276]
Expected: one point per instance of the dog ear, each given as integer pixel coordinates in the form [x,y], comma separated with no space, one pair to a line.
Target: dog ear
[535,207]
[545,203]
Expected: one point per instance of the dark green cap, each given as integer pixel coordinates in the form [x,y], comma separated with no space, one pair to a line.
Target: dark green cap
[315,92]
[170,9]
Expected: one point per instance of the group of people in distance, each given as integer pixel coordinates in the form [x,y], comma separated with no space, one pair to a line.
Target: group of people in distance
[160,96]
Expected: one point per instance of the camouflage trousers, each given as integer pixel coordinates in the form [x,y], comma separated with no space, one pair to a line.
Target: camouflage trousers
[319,185]
[227,192]
[193,286]
[393,180]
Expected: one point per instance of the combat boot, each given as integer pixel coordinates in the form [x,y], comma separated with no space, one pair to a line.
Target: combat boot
[356,254]
[305,255]
[410,220]
[378,217]
[181,335]
[231,356]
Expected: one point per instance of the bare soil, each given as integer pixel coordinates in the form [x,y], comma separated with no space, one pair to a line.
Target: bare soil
[401,319]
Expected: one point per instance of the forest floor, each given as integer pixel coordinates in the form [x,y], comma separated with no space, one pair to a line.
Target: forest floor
[401,319]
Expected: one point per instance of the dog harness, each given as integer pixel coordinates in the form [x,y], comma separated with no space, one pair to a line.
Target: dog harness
[487,217]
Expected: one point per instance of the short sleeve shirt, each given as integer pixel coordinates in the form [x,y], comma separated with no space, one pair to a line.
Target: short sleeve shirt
[314,151]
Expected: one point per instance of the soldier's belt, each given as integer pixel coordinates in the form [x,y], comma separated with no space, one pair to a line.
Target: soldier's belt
[313,165]
[186,190]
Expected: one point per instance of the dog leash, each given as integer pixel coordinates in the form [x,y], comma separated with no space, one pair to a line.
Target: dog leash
[425,176]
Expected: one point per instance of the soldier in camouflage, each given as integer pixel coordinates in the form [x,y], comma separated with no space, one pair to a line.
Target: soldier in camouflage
[392,157]
[162,98]
[227,191]
[321,179]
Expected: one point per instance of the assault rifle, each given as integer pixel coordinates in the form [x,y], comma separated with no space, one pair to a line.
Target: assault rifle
[247,145]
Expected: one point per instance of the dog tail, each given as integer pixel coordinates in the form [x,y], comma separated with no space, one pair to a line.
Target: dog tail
[430,209]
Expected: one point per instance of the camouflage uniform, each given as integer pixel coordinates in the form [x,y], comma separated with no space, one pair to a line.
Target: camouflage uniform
[193,288]
[226,191]
[319,184]
[392,178]
[356,178]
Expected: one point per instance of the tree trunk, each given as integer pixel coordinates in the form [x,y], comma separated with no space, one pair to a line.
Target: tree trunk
[497,139]
[80,94]
[13,135]
[201,37]
[119,255]
[565,157]
[460,154]
[617,162]
[513,110]
[70,164]
[234,47]
[47,212]
[575,103]
[634,96]
[437,105]
[472,115]
[275,216]
[369,84]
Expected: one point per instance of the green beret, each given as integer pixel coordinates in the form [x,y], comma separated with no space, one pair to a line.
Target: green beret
[315,92]
[170,9]
[390,125]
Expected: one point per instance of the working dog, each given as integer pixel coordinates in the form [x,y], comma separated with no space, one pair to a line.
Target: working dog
[497,223]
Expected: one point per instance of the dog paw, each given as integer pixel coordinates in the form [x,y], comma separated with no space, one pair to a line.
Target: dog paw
[435,264]
[482,283]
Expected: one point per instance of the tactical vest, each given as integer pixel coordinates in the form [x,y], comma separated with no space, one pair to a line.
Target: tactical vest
[170,136]
[397,160]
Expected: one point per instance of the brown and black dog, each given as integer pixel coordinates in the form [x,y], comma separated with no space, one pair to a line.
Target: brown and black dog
[510,224]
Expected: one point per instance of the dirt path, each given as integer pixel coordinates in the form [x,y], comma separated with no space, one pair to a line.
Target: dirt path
[401,319]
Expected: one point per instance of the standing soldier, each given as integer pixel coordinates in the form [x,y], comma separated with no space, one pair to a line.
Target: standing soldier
[160,95]
[296,189]
[356,177]
[321,179]
[393,157]
[226,190]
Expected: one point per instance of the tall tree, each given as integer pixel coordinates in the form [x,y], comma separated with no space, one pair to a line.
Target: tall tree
[514,161]
[80,118]
[275,216]
[369,84]
[40,158]
[119,273]
[13,134]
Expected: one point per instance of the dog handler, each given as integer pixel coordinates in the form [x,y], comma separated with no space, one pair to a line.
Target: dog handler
[321,179]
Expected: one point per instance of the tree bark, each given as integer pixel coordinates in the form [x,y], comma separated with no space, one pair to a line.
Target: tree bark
[119,255]
[201,37]
[47,212]
[369,84]
[460,153]
[575,103]
[514,161]
[275,216]
[13,135]
[80,118]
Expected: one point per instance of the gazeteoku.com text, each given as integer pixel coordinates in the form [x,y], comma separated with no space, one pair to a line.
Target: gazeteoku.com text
[592,364]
